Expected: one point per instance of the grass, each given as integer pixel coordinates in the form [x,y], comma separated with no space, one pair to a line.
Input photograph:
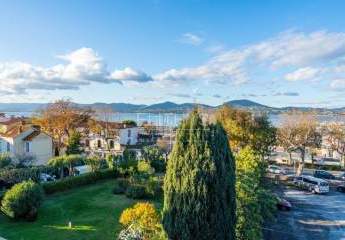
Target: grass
[93,210]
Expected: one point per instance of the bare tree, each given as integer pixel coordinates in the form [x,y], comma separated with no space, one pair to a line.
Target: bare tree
[335,136]
[61,118]
[297,133]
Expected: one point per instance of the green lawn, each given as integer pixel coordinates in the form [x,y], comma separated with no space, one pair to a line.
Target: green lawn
[93,210]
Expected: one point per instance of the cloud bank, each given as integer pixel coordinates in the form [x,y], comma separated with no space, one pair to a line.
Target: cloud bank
[81,67]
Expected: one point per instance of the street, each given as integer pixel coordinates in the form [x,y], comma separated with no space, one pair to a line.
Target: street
[312,217]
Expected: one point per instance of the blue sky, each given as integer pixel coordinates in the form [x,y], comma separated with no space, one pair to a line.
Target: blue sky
[274,52]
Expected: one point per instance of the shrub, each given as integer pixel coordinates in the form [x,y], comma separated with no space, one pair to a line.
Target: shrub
[16,175]
[144,167]
[5,160]
[77,181]
[136,192]
[142,218]
[121,186]
[22,200]
[154,188]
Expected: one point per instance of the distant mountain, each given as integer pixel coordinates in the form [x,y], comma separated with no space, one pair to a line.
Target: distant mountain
[247,104]
[173,107]
[168,107]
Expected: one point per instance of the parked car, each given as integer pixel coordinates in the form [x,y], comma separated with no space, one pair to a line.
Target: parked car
[283,204]
[341,188]
[312,184]
[46,177]
[323,174]
[342,176]
[276,169]
[79,170]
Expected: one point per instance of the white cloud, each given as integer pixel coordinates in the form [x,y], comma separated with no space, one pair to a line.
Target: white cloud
[81,67]
[190,38]
[297,50]
[130,74]
[338,84]
[302,74]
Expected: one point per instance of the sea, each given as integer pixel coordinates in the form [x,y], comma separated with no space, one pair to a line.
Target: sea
[173,119]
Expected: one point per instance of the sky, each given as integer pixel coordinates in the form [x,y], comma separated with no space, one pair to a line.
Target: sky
[278,52]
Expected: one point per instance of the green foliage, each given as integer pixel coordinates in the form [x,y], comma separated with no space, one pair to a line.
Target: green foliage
[144,167]
[130,122]
[154,156]
[22,200]
[254,201]
[153,188]
[127,164]
[5,160]
[199,185]
[16,175]
[111,160]
[69,161]
[73,144]
[136,192]
[244,129]
[77,181]
[95,163]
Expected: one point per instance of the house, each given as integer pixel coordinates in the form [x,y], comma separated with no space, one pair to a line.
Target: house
[19,139]
[110,138]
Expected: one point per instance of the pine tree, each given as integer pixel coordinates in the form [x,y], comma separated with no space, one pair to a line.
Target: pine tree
[199,186]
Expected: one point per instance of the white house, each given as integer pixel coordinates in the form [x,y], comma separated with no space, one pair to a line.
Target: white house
[20,139]
[110,138]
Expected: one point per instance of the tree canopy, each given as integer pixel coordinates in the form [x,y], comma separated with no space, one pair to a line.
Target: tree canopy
[199,185]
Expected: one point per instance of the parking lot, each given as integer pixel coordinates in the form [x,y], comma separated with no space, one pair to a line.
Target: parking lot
[312,217]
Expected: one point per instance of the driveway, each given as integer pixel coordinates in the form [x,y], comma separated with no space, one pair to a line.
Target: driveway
[312,217]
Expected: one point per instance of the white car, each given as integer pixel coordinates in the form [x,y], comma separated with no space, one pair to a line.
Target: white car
[276,169]
[312,184]
[46,178]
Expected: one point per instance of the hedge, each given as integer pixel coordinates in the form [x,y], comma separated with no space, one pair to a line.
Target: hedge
[77,181]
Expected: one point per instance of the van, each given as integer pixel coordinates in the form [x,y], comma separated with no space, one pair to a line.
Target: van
[312,184]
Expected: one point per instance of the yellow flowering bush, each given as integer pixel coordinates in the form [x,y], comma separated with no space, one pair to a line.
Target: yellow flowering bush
[142,216]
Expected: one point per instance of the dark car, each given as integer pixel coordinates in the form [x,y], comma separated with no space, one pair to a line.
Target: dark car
[283,204]
[323,174]
[341,188]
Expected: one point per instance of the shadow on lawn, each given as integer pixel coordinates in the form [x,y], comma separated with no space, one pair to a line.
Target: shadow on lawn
[73,228]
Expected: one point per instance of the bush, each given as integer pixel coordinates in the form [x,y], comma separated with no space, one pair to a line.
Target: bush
[9,177]
[121,186]
[77,181]
[23,200]
[142,219]
[118,190]
[136,192]
[5,160]
[154,188]
[144,167]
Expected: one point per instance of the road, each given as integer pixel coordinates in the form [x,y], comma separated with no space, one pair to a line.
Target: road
[313,217]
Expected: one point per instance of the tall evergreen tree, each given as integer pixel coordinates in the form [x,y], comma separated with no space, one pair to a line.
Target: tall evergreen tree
[199,186]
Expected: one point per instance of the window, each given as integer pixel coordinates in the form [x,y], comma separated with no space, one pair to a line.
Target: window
[129,132]
[111,143]
[99,143]
[8,147]
[87,143]
[27,147]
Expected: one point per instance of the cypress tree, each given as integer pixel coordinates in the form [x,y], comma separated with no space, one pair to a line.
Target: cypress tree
[199,186]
